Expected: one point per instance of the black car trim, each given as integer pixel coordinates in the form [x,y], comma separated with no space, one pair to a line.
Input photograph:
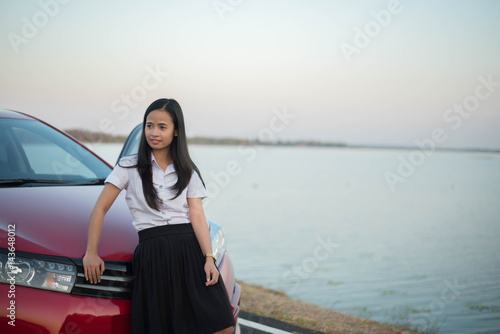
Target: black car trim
[101,288]
[107,277]
[116,282]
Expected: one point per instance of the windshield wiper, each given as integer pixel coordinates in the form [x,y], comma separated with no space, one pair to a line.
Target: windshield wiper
[91,182]
[20,182]
[24,181]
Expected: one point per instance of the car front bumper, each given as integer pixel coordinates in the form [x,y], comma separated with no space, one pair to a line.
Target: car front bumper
[42,311]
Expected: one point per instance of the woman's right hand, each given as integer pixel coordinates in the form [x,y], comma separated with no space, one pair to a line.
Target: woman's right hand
[93,267]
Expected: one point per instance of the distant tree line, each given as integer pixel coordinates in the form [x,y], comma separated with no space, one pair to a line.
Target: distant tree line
[95,137]
[101,137]
[236,141]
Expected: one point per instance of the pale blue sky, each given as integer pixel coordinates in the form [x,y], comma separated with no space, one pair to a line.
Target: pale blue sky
[232,71]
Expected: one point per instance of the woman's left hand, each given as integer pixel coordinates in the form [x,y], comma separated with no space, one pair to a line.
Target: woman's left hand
[211,271]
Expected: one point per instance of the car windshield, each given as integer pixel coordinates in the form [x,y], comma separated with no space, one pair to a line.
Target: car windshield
[34,154]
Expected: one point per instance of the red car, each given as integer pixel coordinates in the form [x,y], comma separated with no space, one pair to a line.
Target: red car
[49,183]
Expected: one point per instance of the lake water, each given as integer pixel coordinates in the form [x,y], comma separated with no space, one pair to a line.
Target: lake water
[323,225]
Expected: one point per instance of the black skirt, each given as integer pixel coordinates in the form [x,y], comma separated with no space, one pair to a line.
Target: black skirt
[169,293]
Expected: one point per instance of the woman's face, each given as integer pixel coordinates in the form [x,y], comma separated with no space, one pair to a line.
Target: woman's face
[159,130]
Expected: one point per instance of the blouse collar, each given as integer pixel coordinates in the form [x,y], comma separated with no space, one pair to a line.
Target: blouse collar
[170,167]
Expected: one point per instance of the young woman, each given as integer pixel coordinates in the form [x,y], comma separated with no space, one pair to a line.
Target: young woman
[177,288]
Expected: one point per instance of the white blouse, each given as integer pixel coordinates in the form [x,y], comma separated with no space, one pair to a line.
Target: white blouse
[174,211]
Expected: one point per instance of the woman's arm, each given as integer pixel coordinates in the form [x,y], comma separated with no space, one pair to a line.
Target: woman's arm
[200,227]
[93,265]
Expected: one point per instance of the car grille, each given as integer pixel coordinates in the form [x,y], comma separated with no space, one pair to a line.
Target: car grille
[116,282]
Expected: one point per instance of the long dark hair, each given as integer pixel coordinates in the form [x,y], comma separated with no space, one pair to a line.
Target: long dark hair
[183,164]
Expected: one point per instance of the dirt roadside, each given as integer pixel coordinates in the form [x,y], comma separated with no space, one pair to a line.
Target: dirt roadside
[277,305]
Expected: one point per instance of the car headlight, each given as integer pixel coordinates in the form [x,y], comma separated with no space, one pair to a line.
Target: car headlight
[218,241]
[37,273]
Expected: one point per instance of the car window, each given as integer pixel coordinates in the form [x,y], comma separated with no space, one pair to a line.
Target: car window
[46,158]
[131,145]
[32,150]
[11,158]
[3,153]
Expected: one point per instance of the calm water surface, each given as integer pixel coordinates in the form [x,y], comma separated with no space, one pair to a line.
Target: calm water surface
[323,225]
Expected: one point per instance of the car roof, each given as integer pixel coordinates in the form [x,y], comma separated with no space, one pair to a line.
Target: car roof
[5,113]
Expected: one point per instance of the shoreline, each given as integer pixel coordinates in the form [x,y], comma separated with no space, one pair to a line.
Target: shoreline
[277,305]
[100,137]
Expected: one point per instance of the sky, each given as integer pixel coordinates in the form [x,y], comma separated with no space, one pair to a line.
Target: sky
[358,72]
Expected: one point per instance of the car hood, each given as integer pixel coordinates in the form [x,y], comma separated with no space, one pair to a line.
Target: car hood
[54,221]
